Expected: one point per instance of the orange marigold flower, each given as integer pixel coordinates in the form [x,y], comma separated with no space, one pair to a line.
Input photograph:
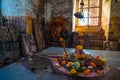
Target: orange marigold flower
[73,71]
[98,72]
[92,64]
[63,62]
[79,47]
[86,72]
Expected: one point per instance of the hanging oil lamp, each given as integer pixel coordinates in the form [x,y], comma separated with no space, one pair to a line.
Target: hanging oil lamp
[81,13]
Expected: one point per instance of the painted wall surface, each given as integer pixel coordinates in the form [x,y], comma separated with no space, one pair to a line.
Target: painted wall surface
[13,7]
[105,17]
[18,8]
[115,21]
[31,7]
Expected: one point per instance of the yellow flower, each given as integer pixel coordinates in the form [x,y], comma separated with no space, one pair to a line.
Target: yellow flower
[77,56]
[79,47]
[70,63]
[104,60]
[73,71]
[82,56]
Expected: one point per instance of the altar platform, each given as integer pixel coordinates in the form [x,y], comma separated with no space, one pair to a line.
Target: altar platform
[22,69]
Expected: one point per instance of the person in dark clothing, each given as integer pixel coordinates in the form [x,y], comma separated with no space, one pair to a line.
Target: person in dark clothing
[74,40]
[64,33]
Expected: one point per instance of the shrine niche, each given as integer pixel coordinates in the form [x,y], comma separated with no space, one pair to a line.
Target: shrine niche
[57,27]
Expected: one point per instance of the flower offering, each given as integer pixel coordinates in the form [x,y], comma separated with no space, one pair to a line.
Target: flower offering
[80,63]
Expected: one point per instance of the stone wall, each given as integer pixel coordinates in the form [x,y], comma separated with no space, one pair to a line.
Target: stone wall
[114,21]
[33,13]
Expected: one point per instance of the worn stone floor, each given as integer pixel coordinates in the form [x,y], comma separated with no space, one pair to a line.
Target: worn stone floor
[44,71]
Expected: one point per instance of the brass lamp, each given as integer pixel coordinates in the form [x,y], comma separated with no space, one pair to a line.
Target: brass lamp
[81,13]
